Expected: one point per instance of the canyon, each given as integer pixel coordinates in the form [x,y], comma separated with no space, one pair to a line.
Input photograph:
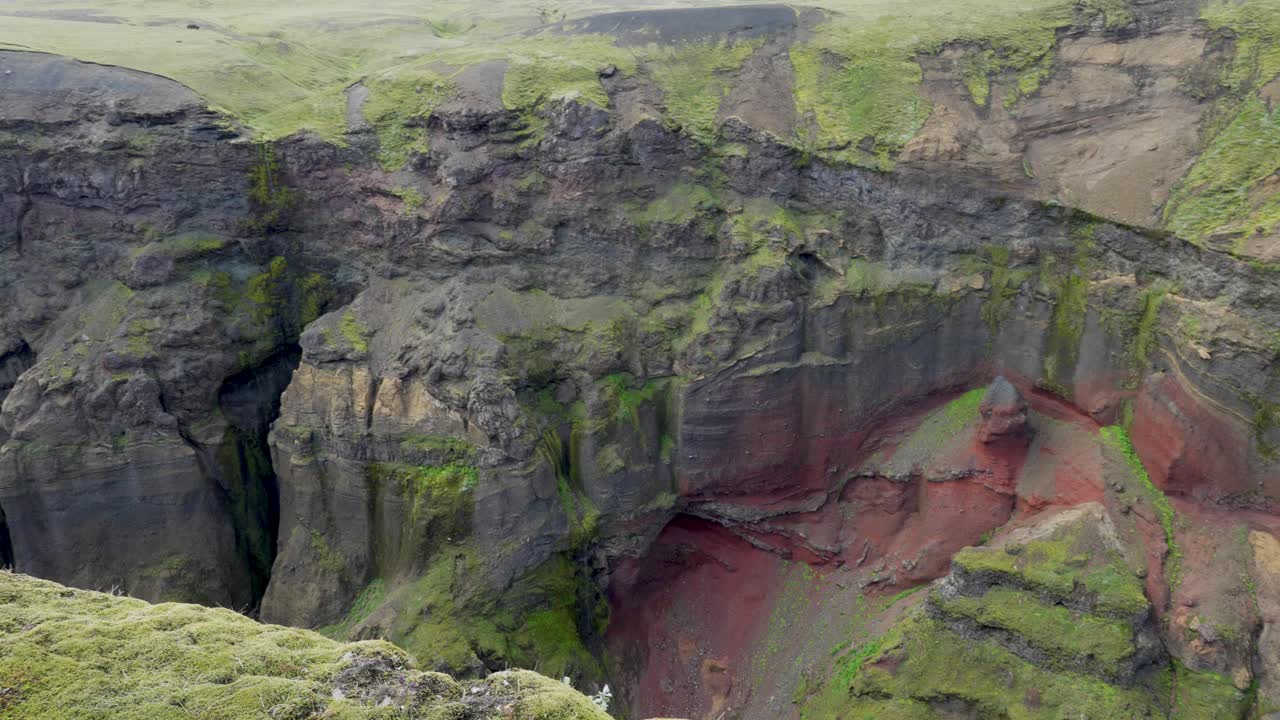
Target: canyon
[706,355]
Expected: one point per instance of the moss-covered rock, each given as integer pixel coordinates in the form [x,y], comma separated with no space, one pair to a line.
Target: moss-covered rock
[1046,623]
[76,654]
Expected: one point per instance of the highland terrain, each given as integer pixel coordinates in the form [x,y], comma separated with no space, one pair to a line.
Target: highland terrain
[861,359]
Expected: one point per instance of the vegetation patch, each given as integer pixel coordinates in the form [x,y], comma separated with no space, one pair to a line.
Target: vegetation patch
[437,501]
[679,206]
[627,396]
[398,107]
[546,70]
[68,653]
[864,109]
[366,602]
[938,429]
[1219,196]
[1070,310]
[1056,566]
[1053,629]
[858,80]
[353,332]
[920,660]
[1144,339]
[326,557]
[449,620]
[1004,286]
[1117,438]
[695,78]
[271,197]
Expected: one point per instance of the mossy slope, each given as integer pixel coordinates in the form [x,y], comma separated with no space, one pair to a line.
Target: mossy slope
[1049,623]
[77,654]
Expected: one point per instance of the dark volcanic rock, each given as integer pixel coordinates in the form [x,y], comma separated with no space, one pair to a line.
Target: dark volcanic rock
[516,354]
[1004,414]
[638,27]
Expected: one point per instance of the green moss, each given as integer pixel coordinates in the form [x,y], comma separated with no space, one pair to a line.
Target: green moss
[266,291]
[186,246]
[279,302]
[69,654]
[320,112]
[1004,286]
[1205,695]
[1220,193]
[317,292]
[1056,566]
[353,332]
[921,660]
[857,82]
[864,108]
[1023,51]
[398,107]
[627,398]
[270,196]
[1117,438]
[1148,316]
[1085,640]
[681,205]
[326,557]
[452,478]
[1070,309]
[447,619]
[1255,27]
[138,341]
[694,79]
[410,197]
[437,502]
[936,430]
[550,69]
[667,449]
[366,602]
[1266,418]
[609,460]
[533,182]
[1116,13]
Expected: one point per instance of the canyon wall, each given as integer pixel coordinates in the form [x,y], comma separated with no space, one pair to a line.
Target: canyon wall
[491,403]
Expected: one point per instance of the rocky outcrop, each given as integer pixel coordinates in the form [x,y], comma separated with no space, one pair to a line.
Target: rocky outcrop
[558,381]
[1050,620]
[1004,414]
[69,652]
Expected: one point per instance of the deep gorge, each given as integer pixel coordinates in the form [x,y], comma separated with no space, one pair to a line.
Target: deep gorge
[740,418]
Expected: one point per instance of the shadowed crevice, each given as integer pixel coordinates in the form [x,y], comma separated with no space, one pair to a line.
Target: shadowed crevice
[250,401]
[6,543]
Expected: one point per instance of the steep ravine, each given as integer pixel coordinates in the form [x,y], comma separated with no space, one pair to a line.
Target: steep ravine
[743,427]
[250,401]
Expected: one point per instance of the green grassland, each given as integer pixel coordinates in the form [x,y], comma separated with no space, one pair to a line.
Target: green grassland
[282,67]
[278,68]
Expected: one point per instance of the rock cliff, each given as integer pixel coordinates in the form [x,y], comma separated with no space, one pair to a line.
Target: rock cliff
[652,348]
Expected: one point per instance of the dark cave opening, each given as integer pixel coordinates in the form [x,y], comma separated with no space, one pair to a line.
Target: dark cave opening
[12,366]
[250,401]
[6,543]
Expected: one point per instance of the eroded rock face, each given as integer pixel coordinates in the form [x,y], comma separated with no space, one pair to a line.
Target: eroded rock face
[1004,414]
[663,371]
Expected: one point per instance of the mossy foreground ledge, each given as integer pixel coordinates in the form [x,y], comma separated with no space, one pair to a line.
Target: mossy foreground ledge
[68,654]
[758,361]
